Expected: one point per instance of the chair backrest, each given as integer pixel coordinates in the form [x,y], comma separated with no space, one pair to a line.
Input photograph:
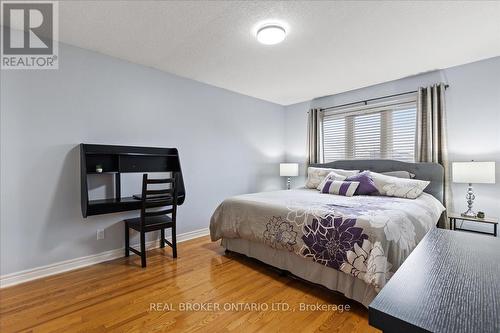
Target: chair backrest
[163,199]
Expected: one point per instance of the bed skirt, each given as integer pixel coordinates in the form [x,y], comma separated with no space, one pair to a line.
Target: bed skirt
[330,278]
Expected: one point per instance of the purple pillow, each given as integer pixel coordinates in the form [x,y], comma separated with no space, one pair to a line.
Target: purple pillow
[366,184]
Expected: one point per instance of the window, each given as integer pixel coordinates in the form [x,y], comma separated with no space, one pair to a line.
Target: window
[379,130]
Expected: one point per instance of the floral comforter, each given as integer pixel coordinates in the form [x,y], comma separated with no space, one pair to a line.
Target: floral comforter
[368,237]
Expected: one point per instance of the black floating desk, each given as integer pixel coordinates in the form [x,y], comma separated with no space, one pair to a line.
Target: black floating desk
[116,160]
[449,283]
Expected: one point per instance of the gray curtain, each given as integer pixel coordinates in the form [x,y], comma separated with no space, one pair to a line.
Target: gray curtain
[314,150]
[431,145]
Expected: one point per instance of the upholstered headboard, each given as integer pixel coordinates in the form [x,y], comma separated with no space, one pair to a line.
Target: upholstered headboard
[426,171]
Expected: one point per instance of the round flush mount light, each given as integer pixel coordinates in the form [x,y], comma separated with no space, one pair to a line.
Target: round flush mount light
[271,34]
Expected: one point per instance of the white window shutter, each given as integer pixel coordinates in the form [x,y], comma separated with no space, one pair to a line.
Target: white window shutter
[371,133]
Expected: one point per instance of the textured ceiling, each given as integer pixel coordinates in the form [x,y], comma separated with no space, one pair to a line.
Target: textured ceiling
[331,46]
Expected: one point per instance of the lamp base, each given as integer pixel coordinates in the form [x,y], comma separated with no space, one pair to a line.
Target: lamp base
[468,213]
[470,201]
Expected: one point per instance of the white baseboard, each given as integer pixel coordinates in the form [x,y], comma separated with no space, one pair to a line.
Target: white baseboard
[11,279]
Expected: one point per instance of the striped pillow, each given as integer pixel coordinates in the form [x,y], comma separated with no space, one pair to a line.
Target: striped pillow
[345,188]
[331,176]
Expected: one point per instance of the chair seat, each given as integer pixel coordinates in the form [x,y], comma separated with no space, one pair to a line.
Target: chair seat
[151,223]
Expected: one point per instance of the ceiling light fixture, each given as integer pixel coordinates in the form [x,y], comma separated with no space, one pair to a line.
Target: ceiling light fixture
[271,34]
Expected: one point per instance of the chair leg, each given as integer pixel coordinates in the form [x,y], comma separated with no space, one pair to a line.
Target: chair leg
[143,249]
[174,242]
[127,241]
[162,238]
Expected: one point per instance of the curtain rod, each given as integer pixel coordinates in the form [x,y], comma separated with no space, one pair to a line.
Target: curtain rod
[374,99]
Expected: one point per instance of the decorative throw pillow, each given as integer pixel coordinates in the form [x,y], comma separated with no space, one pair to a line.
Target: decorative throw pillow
[366,184]
[331,176]
[316,175]
[398,187]
[399,174]
[339,187]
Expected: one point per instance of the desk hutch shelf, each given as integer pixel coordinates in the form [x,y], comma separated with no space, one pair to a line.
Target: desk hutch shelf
[116,160]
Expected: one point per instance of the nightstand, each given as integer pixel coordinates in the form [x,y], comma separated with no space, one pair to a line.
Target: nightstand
[453,217]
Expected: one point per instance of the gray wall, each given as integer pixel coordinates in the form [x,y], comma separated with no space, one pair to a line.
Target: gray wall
[473,110]
[228,143]
[296,139]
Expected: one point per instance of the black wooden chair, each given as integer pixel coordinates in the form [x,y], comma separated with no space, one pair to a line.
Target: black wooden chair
[164,203]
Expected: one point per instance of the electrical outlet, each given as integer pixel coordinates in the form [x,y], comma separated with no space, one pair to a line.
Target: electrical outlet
[100,234]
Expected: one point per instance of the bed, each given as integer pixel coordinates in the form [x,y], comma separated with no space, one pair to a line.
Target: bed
[351,245]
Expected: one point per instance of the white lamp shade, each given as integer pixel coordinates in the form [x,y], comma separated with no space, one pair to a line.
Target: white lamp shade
[289,169]
[474,172]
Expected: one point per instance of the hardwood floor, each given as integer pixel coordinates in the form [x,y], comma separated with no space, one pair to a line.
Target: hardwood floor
[120,296]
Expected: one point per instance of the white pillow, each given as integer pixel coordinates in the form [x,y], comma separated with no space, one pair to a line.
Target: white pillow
[399,174]
[316,175]
[398,187]
[331,176]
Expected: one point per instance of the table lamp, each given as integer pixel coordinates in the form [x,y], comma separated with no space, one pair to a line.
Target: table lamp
[289,170]
[473,173]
